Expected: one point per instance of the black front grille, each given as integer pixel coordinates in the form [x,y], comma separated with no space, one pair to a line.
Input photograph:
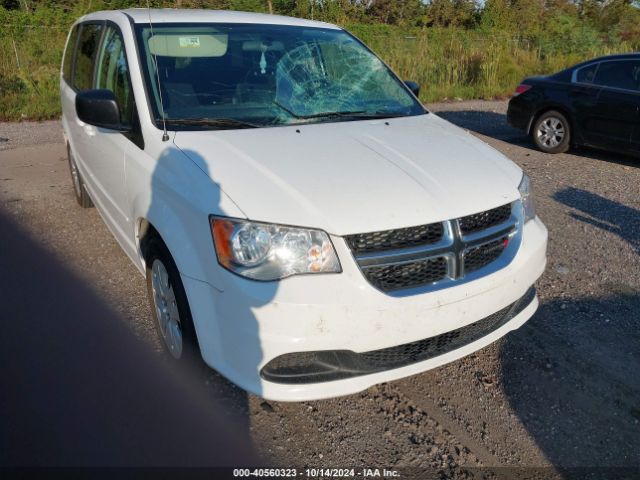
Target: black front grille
[483,220]
[395,239]
[322,366]
[406,275]
[442,251]
[482,255]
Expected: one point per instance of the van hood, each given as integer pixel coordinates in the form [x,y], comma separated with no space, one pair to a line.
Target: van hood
[354,177]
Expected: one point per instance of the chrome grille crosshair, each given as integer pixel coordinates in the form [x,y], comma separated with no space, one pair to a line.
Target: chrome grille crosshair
[438,255]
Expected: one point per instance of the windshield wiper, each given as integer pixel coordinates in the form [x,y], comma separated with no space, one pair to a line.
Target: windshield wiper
[211,122]
[381,114]
[355,115]
[345,114]
[333,114]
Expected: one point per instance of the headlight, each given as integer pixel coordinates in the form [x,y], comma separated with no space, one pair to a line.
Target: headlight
[263,251]
[526,194]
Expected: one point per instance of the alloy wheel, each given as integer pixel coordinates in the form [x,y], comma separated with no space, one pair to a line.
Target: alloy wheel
[166,307]
[551,132]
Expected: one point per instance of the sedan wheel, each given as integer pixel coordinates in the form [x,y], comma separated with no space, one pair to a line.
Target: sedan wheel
[551,132]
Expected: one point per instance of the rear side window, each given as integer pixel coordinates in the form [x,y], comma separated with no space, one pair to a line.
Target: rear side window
[68,54]
[113,73]
[621,74]
[587,74]
[86,55]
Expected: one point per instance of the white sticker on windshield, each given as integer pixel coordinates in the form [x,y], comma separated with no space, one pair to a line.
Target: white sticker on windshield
[186,42]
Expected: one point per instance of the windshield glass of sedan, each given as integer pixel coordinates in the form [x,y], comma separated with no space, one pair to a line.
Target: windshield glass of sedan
[265,75]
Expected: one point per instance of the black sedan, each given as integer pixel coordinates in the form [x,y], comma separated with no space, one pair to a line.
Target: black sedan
[595,103]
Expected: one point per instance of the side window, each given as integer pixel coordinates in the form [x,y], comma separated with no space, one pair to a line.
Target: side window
[68,54]
[621,74]
[113,73]
[85,56]
[586,74]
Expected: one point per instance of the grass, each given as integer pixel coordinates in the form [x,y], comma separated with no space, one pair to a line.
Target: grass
[447,63]
[455,63]
[29,71]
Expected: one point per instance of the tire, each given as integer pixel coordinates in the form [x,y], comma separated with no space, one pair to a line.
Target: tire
[80,191]
[169,306]
[551,132]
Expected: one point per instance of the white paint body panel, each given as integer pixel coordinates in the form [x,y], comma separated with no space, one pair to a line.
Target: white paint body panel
[355,177]
[348,177]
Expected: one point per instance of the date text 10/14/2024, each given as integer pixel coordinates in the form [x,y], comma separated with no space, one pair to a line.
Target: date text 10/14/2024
[346,473]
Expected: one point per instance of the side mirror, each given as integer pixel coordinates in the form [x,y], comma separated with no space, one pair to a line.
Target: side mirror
[413,86]
[100,108]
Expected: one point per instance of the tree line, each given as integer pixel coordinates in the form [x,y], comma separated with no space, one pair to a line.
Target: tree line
[526,18]
[453,48]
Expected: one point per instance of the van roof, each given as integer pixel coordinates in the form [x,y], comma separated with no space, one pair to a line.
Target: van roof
[174,15]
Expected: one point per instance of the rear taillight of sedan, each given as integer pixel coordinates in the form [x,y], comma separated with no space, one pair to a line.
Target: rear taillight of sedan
[521,89]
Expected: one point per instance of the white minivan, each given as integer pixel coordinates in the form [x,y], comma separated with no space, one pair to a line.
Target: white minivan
[303,223]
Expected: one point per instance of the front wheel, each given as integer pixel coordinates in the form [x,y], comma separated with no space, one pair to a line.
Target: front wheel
[552,132]
[169,306]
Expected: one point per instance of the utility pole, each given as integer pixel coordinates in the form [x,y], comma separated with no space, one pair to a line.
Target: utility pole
[270,6]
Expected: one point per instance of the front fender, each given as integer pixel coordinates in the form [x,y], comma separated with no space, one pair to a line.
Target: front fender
[176,198]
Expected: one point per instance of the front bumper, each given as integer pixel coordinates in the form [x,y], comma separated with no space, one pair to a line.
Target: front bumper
[330,365]
[249,324]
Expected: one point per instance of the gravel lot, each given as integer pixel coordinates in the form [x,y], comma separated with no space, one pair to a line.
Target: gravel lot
[562,391]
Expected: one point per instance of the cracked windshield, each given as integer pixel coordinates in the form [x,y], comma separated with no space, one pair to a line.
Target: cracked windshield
[247,76]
